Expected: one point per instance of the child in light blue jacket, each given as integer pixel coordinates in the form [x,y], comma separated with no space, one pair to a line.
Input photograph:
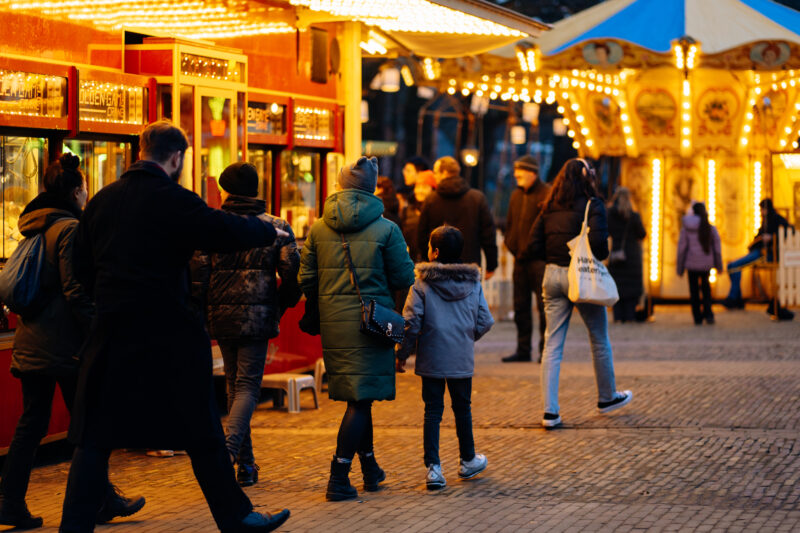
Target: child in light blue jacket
[445,314]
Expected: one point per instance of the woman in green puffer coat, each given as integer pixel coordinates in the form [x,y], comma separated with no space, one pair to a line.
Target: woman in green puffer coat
[360,368]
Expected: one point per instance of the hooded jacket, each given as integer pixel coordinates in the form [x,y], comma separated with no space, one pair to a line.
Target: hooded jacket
[691,255]
[455,203]
[243,300]
[49,342]
[359,367]
[445,314]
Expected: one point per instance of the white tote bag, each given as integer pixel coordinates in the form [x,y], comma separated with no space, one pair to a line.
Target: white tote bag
[589,280]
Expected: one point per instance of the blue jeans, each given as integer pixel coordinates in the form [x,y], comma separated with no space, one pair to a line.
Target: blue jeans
[244,367]
[558,309]
[735,273]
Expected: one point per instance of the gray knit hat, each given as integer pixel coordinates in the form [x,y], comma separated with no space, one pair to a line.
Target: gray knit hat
[527,162]
[363,175]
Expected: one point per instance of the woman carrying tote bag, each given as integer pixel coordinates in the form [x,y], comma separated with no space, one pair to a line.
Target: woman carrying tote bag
[560,221]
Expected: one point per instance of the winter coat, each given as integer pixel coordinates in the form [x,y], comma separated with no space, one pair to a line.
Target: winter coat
[359,366]
[628,274]
[523,209]
[555,227]
[455,203]
[243,300]
[145,380]
[49,341]
[445,314]
[410,225]
[691,255]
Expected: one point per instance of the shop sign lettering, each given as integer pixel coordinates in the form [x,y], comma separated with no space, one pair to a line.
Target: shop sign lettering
[108,102]
[264,118]
[25,93]
[313,123]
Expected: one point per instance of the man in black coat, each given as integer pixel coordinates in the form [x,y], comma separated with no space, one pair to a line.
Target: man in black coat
[523,209]
[456,204]
[145,378]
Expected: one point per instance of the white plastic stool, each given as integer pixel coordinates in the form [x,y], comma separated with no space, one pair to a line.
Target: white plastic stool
[291,384]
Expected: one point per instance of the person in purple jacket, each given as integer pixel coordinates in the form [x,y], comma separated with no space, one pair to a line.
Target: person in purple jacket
[699,252]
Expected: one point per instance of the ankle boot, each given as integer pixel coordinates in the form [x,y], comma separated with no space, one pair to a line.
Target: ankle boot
[373,474]
[339,487]
[15,513]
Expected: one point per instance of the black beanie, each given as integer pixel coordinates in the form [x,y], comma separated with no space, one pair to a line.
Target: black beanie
[240,179]
[527,162]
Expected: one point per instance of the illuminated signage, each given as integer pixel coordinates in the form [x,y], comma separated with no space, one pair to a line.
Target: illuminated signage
[111,103]
[212,68]
[313,123]
[264,118]
[37,95]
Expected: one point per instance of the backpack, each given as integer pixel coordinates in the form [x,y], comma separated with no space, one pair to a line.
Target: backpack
[25,277]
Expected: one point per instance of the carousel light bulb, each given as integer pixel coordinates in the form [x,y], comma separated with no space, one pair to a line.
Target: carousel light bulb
[629,142]
[783,143]
[560,110]
[576,145]
[624,117]
[584,131]
[574,107]
[749,116]
[626,129]
[744,141]
[582,85]
[570,133]
[493,96]
[465,91]
[451,90]
[686,131]
[566,121]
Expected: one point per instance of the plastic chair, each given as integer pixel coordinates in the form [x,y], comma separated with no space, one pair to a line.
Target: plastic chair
[291,384]
[319,371]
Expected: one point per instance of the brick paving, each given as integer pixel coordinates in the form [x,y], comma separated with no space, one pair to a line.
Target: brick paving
[711,442]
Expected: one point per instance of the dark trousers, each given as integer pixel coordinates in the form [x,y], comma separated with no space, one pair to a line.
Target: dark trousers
[433,396]
[528,277]
[244,369]
[625,309]
[698,281]
[212,469]
[355,431]
[37,398]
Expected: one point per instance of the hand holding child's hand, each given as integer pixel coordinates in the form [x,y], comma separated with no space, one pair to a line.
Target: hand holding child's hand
[400,366]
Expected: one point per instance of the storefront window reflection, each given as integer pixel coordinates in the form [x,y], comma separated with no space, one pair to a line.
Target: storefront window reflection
[23,161]
[215,148]
[299,177]
[102,161]
[262,160]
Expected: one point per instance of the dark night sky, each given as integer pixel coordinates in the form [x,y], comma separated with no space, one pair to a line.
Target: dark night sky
[554,10]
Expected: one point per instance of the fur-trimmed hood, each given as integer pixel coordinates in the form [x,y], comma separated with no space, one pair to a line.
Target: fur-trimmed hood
[453,281]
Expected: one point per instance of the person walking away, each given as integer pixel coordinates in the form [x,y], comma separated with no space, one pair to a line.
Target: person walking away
[560,221]
[445,314]
[625,259]
[699,252]
[360,367]
[523,209]
[46,345]
[145,379]
[409,215]
[762,244]
[245,306]
[456,204]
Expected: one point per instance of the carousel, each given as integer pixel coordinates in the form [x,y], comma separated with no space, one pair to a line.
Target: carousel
[698,99]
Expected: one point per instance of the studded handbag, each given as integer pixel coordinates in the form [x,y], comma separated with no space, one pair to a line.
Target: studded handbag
[377,320]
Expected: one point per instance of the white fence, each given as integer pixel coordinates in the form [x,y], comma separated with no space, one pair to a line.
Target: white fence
[788,277]
[499,291]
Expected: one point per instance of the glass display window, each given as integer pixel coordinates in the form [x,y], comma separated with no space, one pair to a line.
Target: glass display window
[23,161]
[300,172]
[215,137]
[335,162]
[102,161]
[261,158]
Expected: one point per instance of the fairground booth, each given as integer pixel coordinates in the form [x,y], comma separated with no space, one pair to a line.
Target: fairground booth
[273,82]
[699,99]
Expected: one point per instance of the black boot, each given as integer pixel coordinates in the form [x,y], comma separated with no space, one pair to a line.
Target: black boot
[373,474]
[117,504]
[339,487]
[517,357]
[15,513]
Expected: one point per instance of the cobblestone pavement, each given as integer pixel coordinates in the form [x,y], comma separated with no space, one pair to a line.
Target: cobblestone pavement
[711,442]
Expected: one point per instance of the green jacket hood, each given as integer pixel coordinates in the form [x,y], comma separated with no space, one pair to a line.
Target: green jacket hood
[351,210]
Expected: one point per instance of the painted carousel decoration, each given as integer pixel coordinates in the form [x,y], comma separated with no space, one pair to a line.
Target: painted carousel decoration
[694,95]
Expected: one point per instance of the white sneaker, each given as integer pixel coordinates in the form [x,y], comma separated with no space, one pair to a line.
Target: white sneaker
[434,478]
[470,469]
[621,399]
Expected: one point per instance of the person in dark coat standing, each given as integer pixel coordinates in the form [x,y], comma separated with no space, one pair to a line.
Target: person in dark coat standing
[145,379]
[360,367]
[46,345]
[699,252]
[625,260]
[456,204]
[244,307]
[523,209]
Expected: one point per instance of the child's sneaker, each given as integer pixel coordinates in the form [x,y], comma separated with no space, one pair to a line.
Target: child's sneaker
[435,479]
[621,399]
[551,420]
[472,468]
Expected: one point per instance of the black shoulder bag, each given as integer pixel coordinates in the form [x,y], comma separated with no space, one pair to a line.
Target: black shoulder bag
[376,320]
